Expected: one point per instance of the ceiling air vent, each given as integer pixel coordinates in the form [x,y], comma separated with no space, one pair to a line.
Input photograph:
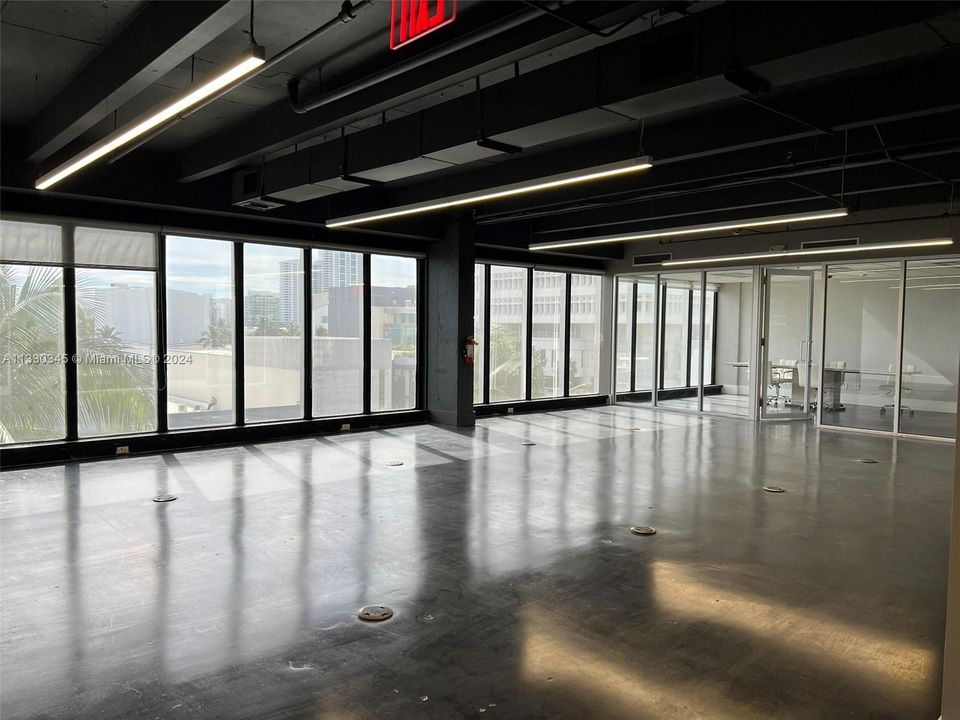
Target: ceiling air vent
[842,242]
[248,192]
[641,260]
[261,204]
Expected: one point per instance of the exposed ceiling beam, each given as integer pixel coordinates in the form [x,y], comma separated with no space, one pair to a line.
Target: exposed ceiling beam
[278,126]
[160,38]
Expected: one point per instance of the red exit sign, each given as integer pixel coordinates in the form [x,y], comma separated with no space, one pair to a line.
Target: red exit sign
[412,19]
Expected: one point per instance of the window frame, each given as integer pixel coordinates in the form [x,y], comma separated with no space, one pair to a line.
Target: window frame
[566,329]
[163,438]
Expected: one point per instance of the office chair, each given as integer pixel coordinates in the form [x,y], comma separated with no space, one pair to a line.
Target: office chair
[834,365]
[906,387]
[796,392]
[777,377]
[774,381]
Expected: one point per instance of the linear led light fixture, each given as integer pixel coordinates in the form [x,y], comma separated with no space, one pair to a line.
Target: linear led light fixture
[819,251]
[693,229]
[598,172]
[253,58]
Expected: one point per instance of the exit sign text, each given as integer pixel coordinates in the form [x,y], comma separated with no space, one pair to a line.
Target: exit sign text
[412,19]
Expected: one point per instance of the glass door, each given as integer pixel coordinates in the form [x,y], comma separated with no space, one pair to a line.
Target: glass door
[786,357]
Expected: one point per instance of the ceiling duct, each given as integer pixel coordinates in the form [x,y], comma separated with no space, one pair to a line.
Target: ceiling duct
[670,71]
[248,191]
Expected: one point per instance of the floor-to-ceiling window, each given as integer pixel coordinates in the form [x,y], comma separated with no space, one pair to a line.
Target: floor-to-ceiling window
[666,319]
[646,340]
[32,380]
[552,317]
[200,332]
[624,349]
[116,332]
[479,332]
[273,332]
[549,311]
[508,333]
[336,293]
[393,328]
[586,315]
[108,332]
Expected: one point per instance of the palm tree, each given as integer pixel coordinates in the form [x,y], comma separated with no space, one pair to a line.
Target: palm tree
[217,335]
[116,395]
[31,328]
[507,352]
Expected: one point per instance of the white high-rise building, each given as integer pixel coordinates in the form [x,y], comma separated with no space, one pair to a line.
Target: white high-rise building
[331,268]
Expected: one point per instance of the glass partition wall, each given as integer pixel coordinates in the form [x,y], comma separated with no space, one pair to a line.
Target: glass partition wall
[872,345]
[892,347]
[791,334]
[931,346]
[109,332]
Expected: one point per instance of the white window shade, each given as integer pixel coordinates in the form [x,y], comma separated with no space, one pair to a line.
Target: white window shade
[30,242]
[103,247]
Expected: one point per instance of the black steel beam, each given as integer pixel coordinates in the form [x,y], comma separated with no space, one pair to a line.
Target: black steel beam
[681,65]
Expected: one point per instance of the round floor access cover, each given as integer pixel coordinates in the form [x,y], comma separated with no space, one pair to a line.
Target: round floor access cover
[866,460]
[643,530]
[773,489]
[394,463]
[164,498]
[375,613]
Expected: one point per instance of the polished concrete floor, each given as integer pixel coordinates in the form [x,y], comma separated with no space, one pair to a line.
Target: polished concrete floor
[518,589]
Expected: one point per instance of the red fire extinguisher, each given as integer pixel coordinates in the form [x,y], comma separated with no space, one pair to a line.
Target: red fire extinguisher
[468,345]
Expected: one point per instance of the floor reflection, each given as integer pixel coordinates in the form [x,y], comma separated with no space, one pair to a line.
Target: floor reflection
[517,586]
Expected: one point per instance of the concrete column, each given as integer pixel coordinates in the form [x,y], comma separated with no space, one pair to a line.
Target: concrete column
[951,657]
[449,315]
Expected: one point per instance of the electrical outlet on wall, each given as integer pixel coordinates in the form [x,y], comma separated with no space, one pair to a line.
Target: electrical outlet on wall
[123,449]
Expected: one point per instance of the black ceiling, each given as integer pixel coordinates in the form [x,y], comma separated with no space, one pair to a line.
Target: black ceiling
[744,106]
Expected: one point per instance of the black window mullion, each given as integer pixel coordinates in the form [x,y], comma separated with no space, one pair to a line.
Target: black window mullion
[367,340]
[486,334]
[419,372]
[70,351]
[663,331]
[689,332]
[529,339]
[633,337]
[238,334]
[713,338]
[568,293]
[306,330]
[161,294]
